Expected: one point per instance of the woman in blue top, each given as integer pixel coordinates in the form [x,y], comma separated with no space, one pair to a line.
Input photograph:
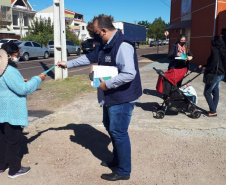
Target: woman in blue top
[13,111]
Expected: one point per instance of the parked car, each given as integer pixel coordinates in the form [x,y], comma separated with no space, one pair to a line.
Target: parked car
[29,49]
[7,40]
[89,45]
[160,42]
[71,48]
[167,41]
[163,42]
[154,43]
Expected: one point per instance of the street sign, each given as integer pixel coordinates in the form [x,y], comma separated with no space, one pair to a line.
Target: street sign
[166,33]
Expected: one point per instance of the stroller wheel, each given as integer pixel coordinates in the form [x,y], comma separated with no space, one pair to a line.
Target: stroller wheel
[196,114]
[160,114]
[191,108]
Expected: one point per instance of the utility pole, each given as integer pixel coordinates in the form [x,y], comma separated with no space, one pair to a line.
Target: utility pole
[59,38]
[21,24]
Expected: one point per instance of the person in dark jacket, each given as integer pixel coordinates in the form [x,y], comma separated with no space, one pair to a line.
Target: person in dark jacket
[176,51]
[215,65]
[118,94]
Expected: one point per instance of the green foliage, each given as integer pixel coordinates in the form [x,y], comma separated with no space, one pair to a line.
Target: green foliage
[41,31]
[144,23]
[71,36]
[42,38]
[156,29]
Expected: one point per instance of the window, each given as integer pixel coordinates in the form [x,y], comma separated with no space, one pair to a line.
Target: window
[36,44]
[15,20]
[5,13]
[78,16]
[70,43]
[83,27]
[25,20]
[28,44]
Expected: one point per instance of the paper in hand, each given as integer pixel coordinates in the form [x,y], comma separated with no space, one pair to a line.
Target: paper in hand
[45,72]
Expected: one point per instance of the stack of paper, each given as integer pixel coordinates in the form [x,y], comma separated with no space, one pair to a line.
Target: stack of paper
[182,57]
[104,72]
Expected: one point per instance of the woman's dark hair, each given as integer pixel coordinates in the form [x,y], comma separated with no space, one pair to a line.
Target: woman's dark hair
[218,41]
[179,38]
[178,41]
[10,48]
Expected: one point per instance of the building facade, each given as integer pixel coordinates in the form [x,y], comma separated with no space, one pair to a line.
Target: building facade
[199,21]
[73,21]
[5,19]
[23,14]
[15,17]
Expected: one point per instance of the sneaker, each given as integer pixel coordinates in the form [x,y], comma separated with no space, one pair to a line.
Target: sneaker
[22,171]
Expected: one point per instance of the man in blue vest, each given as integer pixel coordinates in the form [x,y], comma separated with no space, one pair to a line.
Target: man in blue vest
[120,92]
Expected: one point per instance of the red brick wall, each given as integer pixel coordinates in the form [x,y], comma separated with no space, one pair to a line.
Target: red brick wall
[202,25]
[202,29]
[175,15]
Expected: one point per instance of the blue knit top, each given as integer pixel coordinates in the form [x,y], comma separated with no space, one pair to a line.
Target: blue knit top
[13,91]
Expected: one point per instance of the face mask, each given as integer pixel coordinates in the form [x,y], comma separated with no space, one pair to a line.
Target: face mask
[15,60]
[182,43]
[97,37]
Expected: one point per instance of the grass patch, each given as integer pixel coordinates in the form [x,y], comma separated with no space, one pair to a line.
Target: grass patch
[53,94]
[69,87]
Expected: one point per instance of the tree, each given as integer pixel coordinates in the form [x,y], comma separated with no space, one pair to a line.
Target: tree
[144,23]
[71,36]
[41,31]
[156,29]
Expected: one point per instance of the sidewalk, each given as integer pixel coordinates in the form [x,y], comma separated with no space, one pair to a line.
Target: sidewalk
[66,147]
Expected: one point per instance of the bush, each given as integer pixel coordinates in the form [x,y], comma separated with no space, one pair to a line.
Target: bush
[42,38]
[71,36]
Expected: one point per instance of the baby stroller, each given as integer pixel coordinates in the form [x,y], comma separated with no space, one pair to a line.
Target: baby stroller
[177,99]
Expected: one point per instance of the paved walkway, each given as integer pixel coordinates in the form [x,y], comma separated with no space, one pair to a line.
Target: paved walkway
[66,147]
[143,111]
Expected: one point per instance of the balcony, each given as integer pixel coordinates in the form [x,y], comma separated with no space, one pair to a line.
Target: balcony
[5,14]
[6,17]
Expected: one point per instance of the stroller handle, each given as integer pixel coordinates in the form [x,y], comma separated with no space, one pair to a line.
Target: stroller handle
[160,72]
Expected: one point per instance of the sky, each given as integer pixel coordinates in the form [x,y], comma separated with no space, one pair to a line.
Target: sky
[131,11]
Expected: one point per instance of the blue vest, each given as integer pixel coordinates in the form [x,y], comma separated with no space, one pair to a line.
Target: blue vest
[107,56]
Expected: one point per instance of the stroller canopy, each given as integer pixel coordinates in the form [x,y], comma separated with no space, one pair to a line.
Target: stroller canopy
[173,76]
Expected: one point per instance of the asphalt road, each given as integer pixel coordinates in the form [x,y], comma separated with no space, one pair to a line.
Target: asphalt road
[38,65]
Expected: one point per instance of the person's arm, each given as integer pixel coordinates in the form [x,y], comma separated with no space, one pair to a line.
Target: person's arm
[15,82]
[83,60]
[125,64]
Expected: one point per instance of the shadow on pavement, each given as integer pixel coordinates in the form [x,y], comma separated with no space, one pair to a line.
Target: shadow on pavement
[152,93]
[147,106]
[39,113]
[84,135]
[50,73]
[156,56]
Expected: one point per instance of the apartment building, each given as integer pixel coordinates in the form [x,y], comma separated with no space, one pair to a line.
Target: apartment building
[5,19]
[73,21]
[15,17]
[199,21]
